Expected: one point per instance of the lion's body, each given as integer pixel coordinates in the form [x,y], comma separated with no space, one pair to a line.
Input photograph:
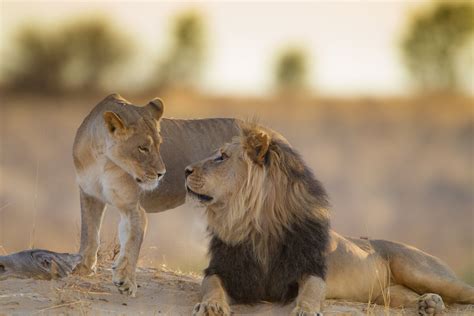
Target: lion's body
[121,158]
[267,215]
[362,270]
[246,203]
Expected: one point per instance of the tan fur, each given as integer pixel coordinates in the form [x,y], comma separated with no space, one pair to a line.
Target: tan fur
[358,269]
[118,154]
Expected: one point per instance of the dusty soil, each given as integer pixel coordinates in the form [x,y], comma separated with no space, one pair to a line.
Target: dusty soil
[161,292]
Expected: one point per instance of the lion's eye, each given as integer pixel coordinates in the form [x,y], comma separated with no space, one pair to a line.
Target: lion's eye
[144,149]
[222,157]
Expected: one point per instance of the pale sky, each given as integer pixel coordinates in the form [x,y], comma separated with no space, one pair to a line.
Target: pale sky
[352,44]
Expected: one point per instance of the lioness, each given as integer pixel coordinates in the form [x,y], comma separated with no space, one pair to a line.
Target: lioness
[121,158]
[260,199]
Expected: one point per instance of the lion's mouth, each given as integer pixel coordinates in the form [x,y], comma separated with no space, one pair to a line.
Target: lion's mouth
[201,197]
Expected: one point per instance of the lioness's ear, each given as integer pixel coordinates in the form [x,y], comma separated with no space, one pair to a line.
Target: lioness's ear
[257,145]
[156,108]
[113,122]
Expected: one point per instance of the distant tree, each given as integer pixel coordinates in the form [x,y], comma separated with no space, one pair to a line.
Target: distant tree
[75,56]
[183,63]
[291,70]
[38,62]
[94,48]
[434,41]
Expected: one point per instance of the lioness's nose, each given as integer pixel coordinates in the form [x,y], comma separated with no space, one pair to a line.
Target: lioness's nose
[161,174]
[188,171]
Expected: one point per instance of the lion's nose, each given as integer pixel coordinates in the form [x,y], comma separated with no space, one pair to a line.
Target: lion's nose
[188,171]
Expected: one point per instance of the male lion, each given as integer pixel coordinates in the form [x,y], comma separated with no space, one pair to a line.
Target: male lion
[120,157]
[267,217]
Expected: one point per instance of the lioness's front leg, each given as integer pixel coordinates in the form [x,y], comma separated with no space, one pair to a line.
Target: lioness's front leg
[311,293]
[92,212]
[131,231]
[214,298]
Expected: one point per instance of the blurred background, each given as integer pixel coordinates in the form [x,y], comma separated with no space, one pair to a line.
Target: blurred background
[376,95]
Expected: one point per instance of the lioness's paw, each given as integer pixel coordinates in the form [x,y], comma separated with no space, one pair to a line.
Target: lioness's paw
[300,311]
[84,270]
[123,276]
[211,309]
[125,285]
[430,304]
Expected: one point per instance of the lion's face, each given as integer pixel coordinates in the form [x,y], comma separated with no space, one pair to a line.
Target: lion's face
[233,169]
[135,147]
[214,179]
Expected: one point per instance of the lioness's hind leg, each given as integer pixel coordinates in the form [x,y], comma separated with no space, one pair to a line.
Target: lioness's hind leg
[92,212]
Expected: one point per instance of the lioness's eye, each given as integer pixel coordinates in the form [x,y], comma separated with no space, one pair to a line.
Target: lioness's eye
[143,149]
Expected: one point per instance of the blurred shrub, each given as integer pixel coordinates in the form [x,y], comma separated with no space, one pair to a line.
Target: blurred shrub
[291,70]
[432,46]
[183,64]
[94,48]
[74,57]
[38,61]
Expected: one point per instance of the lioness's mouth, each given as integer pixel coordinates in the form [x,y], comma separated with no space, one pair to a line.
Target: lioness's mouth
[201,197]
[147,184]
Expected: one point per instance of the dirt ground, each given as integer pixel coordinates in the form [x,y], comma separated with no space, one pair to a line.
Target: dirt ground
[161,292]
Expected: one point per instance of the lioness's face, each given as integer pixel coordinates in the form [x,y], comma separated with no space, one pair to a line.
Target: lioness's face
[135,147]
[214,179]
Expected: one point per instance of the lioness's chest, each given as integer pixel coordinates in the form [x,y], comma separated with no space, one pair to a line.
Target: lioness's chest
[108,183]
[89,180]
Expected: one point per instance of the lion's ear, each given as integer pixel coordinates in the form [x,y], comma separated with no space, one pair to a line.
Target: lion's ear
[156,108]
[257,145]
[113,122]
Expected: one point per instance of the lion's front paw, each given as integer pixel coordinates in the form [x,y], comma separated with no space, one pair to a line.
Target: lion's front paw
[430,304]
[301,311]
[211,308]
